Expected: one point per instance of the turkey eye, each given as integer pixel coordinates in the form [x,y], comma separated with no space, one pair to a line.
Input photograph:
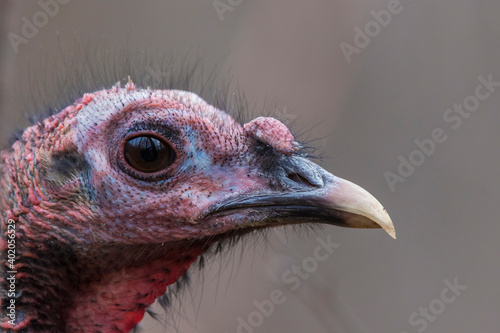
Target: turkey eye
[148,154]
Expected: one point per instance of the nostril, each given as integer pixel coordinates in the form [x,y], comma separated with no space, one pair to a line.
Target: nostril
[302,173]
[298,178]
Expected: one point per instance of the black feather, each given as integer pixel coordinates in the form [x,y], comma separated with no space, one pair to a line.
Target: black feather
[81,67]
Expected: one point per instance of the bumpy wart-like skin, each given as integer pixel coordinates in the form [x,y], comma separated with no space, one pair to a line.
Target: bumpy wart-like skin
[92,241]
[95,247]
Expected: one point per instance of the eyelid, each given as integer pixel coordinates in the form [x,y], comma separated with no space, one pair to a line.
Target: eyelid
[167,172]
[148,154]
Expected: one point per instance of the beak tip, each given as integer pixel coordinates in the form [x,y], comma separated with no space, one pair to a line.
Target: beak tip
[368,211]
[388,226]
[391,232]
[384,221]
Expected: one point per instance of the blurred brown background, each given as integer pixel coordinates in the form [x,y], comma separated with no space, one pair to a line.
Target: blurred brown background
[370,111]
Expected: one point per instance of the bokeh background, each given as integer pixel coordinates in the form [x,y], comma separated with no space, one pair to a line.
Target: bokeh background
[365,114]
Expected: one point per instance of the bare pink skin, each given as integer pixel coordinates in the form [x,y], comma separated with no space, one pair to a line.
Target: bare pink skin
[107,203]
[274,133]
[95,246]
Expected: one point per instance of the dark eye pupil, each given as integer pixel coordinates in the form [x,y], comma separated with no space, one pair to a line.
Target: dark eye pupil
[148,154]
[149,149]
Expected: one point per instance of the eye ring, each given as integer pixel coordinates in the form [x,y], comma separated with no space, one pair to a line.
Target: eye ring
[147,154]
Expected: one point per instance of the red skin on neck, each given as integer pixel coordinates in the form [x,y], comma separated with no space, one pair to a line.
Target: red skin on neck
[118,302]
[63,287]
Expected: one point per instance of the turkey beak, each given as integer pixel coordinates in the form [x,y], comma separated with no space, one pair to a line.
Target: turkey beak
[309,194]
[318,194]
[357,207]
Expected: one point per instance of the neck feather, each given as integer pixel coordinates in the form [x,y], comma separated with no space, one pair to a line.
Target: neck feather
[107,289]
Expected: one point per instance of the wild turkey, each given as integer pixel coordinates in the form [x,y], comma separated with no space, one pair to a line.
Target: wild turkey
[109,201]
